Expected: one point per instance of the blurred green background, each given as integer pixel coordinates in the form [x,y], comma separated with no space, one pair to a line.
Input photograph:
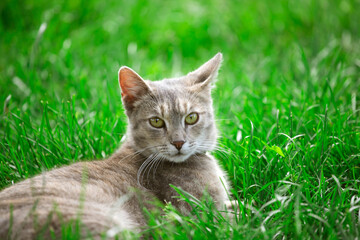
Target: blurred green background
[81,44]
[287,98]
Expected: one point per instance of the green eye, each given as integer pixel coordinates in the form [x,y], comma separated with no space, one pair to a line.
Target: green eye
[157,122]
[192,118]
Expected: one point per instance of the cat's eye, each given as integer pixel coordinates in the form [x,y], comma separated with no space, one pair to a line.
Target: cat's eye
[157,122]
[192,118]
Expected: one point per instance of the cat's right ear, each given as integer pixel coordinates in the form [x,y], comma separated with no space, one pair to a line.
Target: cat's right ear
[133,87]
[203,78]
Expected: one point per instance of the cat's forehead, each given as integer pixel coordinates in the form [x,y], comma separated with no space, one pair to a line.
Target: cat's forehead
[172,97]
[171,100]
[169,90]
[176,107]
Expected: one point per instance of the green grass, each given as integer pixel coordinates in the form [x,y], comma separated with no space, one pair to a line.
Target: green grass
[287,101]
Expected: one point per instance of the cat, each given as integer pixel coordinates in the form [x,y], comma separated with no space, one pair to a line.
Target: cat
[170,131]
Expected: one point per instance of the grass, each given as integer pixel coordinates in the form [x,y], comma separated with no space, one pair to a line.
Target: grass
[287,101]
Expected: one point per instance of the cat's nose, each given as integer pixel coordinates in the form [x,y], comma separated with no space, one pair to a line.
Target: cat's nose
[178,144]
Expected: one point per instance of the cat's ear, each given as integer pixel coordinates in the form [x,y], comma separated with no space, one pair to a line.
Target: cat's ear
[133,87]
[207,73]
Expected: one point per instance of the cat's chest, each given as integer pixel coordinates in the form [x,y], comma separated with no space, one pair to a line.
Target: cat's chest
[195,176]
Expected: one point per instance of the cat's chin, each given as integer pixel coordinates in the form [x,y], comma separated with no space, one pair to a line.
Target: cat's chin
[178,158]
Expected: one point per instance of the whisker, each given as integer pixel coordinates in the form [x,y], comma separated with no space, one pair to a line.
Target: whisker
[152,164]
[144,166]
[159,161]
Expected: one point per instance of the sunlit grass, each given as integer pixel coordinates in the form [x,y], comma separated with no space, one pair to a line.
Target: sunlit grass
[287,102]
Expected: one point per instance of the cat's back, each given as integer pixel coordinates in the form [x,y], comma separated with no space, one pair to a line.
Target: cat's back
[105,176]
[86,190]
[66,182]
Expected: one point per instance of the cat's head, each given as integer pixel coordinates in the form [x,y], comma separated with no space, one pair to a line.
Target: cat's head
[173,118]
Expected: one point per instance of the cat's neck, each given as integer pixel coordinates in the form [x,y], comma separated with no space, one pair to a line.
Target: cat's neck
[127,153]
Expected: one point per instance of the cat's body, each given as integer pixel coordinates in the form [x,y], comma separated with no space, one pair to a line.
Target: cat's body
[171,127]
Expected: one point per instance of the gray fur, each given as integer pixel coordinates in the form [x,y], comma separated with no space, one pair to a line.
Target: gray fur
[108,195]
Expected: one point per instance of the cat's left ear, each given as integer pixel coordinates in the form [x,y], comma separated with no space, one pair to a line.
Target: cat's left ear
[133,87]
[204,76]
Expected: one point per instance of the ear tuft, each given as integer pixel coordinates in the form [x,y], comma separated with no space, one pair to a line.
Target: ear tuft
[208,72]
[133,87]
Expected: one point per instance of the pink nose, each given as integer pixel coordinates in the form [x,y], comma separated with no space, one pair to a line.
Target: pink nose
[178,144]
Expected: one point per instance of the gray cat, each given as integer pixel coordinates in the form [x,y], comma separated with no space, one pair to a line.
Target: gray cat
[171,129]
